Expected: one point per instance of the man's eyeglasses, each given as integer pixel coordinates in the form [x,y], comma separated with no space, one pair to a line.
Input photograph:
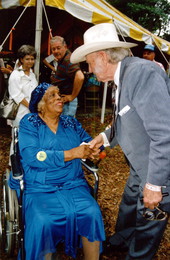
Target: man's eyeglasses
[156,214]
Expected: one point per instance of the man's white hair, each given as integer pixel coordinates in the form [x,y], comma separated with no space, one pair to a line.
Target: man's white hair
[117,54]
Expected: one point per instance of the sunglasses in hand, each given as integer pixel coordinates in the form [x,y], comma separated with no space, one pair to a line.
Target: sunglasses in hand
[157,213]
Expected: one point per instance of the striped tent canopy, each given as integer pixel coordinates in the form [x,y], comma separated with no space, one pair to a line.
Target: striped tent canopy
[98,11]
[4,4]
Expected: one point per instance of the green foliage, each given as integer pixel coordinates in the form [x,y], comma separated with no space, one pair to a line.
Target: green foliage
[153,15]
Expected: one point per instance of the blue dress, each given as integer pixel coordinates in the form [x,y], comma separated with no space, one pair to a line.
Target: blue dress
[58,206]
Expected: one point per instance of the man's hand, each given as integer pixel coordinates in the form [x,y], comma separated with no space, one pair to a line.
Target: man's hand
[67,98]
[97,141]
[151,198]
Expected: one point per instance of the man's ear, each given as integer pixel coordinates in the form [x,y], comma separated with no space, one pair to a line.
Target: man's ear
[103,56]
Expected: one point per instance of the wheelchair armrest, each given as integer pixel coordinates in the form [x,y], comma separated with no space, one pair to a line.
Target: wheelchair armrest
[90,165]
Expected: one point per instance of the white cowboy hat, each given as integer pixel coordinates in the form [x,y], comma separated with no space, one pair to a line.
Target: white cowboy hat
[99,37]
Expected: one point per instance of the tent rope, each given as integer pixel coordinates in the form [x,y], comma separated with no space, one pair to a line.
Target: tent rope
[1,46]
[161,51]
[116,25]
[152,40]
[48,24]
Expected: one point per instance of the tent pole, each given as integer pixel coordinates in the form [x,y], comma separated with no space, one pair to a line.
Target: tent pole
[168,70]
[38,36]
[104,102]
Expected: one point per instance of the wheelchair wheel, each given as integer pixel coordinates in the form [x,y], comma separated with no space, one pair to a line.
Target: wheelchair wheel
[9,217]
[1,245]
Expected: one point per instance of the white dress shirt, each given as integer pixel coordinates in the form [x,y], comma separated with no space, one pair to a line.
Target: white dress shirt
[116,81]
[20,86]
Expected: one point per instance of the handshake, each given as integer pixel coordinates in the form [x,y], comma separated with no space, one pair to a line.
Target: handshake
[91,150]
[92,153]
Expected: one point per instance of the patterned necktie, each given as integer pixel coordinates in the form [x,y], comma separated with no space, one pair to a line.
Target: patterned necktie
[114,87]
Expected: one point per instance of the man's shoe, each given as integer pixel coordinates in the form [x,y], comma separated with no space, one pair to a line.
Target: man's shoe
[108,248]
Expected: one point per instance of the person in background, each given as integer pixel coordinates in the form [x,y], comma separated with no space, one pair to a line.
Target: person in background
[58,206]
[7,70]
[22,82]
[141,127]
[149,54]
[91,80]
[68,77]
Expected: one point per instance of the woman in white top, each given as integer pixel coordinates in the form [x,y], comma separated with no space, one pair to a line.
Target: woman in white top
[22,82]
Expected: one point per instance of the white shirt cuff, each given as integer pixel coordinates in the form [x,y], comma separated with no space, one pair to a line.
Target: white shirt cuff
[106,142]
[153,187]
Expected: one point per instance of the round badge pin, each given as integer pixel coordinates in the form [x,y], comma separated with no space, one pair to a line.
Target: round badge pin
[41,156]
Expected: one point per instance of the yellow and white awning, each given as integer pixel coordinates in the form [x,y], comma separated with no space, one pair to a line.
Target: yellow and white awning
[5,4]
[98,11]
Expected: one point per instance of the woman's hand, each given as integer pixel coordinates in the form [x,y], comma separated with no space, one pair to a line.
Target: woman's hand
[25,103]
[82,152]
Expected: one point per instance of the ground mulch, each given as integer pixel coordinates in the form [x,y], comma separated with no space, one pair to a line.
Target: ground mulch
[113,173]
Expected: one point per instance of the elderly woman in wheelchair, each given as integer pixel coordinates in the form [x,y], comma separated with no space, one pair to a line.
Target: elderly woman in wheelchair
[57,203]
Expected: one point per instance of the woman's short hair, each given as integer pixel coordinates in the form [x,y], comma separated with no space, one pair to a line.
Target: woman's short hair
[26,50]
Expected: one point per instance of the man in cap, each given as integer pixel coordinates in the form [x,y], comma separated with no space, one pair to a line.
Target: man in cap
[149,54]
[142,129]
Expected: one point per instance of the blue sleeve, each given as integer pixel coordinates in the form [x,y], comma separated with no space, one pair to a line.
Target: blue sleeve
[31,136]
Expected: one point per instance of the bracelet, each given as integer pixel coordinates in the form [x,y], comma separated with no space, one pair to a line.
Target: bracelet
[153,187]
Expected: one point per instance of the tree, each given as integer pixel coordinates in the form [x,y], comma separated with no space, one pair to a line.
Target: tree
[153,15]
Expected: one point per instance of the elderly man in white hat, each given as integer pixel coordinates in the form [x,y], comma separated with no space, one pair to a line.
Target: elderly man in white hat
[142,129]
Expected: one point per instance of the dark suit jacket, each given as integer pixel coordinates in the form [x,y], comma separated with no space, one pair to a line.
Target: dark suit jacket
[143,121]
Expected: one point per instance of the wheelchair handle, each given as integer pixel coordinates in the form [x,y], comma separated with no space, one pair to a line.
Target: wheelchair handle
[17,171]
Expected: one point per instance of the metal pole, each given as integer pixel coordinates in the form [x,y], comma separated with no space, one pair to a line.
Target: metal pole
[104,102]
[38,36]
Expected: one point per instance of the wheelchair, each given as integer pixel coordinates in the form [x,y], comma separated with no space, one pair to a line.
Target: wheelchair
[11,219]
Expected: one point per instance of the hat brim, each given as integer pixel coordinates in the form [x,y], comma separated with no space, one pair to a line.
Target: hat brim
[80,53]
[147,49]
